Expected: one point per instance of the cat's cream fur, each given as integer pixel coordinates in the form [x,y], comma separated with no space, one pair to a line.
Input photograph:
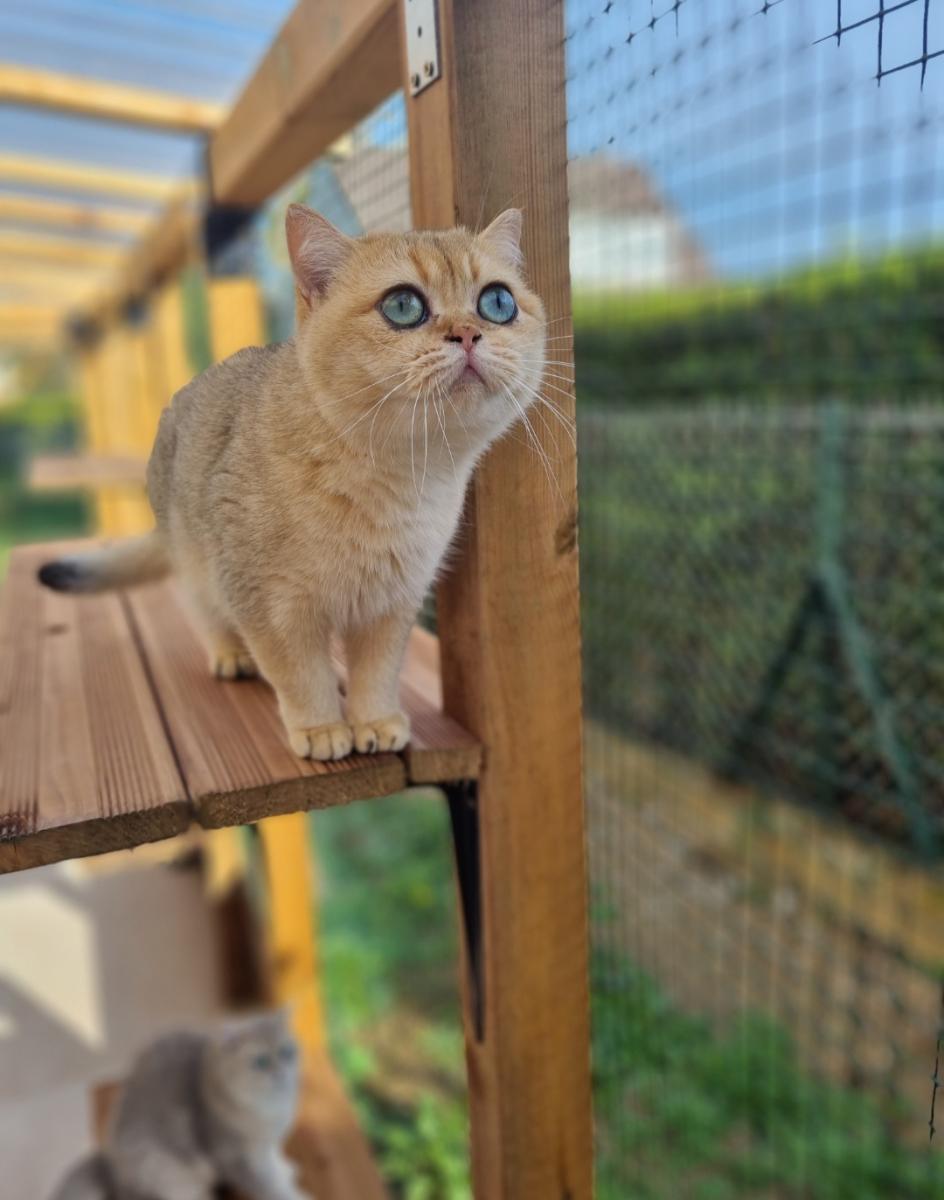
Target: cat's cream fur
[311,488]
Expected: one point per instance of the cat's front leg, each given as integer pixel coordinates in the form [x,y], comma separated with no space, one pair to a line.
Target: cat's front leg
[374,657]
[298,665]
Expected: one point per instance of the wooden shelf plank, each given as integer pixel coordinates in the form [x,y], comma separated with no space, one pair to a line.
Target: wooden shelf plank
[86,766]
[229,739]
[119,735]
[327,1144]
[61,472]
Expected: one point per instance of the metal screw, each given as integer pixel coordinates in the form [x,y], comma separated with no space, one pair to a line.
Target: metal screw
[415,80]
[429,68]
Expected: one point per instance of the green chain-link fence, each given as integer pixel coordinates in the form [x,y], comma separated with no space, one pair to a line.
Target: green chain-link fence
[757,214]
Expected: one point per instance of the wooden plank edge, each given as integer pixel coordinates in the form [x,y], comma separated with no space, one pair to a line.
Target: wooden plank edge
[362,777]
[88,839]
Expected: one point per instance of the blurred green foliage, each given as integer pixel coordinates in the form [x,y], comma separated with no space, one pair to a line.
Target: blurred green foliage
[42,422]
[853,330]
[682,1110]
[390,974]
[685,1111]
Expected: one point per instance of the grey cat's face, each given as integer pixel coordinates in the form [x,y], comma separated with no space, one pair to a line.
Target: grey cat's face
[257,1063]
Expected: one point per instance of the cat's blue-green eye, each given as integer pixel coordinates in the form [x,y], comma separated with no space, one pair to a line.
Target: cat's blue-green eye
[497,304]
[404,308]
[262,1062]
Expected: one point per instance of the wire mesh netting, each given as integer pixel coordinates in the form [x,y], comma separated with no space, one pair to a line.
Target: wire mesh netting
[757,210]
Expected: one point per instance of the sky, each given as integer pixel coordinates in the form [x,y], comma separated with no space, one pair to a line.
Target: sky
[776,148]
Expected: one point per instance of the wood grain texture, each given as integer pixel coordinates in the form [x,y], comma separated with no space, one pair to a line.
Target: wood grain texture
[333,1158]
[508,619]
[228,736]
[85,766]
[331,64]
[114,732]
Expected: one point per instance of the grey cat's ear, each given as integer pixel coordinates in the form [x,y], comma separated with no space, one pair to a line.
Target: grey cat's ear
[316,249]
[504,235]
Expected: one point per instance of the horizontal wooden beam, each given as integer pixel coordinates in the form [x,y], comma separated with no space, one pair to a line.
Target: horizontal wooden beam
[26,277]
[43,247]
[86,177]
[64,472]
[103,98]
[331,64]
[36,341]
[171,242]
[29,314]
[66,214]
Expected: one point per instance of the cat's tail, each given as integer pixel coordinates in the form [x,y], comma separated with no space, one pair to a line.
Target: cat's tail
[89,1180]
[115,565]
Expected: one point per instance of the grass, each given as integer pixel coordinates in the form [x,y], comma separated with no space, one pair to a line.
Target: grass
[45,421]
[683,1111]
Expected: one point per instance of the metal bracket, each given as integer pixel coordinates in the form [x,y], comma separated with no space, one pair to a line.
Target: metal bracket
[464,813]
[422,43]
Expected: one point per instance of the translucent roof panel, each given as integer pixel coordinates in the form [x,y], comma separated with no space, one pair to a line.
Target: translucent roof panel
[202,50]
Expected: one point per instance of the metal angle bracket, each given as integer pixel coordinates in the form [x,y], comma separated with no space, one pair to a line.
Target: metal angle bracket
[422,43]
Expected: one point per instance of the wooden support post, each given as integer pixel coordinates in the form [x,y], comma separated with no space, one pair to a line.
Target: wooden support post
[236,316]
[90,386]
[509,625]
[171,334]
[123,509]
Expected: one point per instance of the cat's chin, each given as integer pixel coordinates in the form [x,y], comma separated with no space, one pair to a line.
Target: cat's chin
[471,382]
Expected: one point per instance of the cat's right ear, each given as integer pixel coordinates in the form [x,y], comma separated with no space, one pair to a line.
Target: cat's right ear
[316,250]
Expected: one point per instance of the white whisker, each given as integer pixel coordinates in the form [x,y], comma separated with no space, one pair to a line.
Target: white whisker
[542,454]
[440,413]
[425,439]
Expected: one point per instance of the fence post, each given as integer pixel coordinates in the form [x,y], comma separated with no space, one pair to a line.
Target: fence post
[489,134]
[121,400]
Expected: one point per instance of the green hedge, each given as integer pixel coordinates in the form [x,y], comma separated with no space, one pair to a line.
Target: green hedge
[852,331]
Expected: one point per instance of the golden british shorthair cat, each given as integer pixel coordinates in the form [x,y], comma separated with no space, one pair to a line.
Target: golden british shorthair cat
[311,488]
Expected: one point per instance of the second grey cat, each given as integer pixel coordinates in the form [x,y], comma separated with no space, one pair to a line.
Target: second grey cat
[198,1111]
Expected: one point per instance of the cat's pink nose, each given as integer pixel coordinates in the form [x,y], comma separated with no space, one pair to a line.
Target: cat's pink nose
[468,335]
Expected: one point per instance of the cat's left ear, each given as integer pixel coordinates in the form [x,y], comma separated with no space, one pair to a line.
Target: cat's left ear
[316,249]
[503,236]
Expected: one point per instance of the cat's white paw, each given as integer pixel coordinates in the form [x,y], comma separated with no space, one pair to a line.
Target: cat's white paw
[386,733]
[322,742]
[233,664]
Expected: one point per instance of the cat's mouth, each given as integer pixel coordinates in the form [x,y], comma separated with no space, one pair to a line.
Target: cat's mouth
[468,374]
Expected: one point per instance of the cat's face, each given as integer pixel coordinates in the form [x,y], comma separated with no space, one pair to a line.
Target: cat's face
[426,339]
[255,1066]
